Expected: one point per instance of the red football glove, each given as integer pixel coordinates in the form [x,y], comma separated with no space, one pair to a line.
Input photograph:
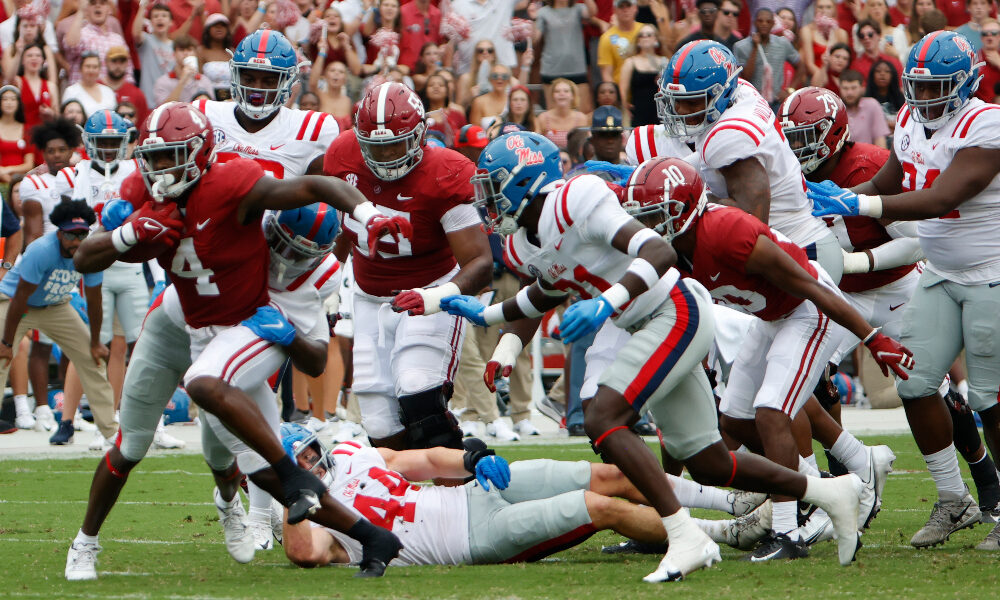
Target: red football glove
[154,222]
[503,359]
[409,300]
[380,225]
[890,354]
[490,374]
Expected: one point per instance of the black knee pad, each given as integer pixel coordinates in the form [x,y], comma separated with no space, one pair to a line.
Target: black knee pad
[428,421]
[964,431]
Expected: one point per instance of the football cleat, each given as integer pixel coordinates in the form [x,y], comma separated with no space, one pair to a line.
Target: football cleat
[746,530]
[25,421]
[817,528]
[744,502]
[262,536]
[162,439]
[778,546]
[239,538]
[692,551]
[840,497]
[631,546]
[551,409]
[946,518]
[376,555]
[992,541]
[526,428]
[277,521]
[81,561]
[44,419]
[501,431]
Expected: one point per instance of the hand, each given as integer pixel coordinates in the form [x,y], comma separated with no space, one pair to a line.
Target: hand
[158,288]
[410,301]
[380,225]
[830,199]
[269,324]
[502,362]
[464,306]
[755,36]
[957,403]
[527,58]
[199,7]
[584,317]
[114,214]
[100,353]
[152,224]
[493,469]
[890,354]
[344,39]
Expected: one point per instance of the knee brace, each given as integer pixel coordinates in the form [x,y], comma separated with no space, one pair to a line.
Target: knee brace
[428,421]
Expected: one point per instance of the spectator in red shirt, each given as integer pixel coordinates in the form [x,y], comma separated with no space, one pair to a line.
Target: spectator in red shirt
[849,12]
[117,64]
[955,11]
[15,151]
[900,13]
[421,23]
[189,16]
[835,61]
[870,35]
[39,93]
[990,54]
[92,29]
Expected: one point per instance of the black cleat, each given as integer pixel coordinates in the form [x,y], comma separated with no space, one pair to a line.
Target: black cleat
[778,546]
[378,553]
[302,505]
[631,546]
[371,568]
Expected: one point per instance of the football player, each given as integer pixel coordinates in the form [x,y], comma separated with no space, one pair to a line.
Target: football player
[880,273]
[257,125]
[703,104]
[404,363]
[217,254]
[943,172]
[575,237]
[539,506]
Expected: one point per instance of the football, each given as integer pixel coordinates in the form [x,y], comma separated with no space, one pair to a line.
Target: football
[145,251]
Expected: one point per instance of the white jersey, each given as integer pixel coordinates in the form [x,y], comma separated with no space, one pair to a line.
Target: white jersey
[962,246]
[46,189]
[579,219]
[284,148]
[432,522]
[652,141]
[97,190]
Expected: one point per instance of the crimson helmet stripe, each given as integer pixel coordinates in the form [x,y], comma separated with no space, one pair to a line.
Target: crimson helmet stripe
[262,48]
[681,59]
[318,221]
[926,47]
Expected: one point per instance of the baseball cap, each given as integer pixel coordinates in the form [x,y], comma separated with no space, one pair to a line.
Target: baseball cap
[116,52]
[607,118]
[510,127]
[215,18]
[471,136]
[74,224]
[620,3]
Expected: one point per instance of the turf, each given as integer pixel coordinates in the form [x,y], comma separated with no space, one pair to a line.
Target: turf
[163,541]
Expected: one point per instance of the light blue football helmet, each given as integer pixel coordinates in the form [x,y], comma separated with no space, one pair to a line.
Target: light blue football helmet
[699,70]
[942,65]
[263,50]
[296,438]
[300,238]
[105,137]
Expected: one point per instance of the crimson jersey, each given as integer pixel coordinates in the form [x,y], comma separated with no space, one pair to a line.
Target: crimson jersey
[858,163]
[220,266]
[725,238]
[435,197]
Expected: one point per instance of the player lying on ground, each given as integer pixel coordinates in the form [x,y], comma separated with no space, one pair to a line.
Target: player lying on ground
[538,507]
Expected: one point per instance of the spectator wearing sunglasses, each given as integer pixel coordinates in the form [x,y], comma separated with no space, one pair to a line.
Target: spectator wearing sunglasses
[728,23]
[708,15]
[421,23]
[488,20]
[979,11]
[870,36]
[477,81]
[990,55]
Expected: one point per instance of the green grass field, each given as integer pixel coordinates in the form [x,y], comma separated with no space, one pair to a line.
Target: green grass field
[163,541]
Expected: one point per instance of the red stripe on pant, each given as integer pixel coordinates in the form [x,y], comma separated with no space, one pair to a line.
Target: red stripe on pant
[808,355]
[556,544]
[453,344]
[663,352]
[229,378]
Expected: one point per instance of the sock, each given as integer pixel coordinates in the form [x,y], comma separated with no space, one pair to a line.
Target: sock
[984,472]
[943,466]
[963,388]
[695,495]
[811,459]
[363,531]
[807,467]
[285,468]
[784,517]
[833,465]
[852,454]
[676,523]
[83,538]
[221,503]
[260,503]
[21,405]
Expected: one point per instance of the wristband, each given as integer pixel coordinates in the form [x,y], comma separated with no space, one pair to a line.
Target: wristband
[493,314]
[432,296]
[322,54]
[526,305]
[6,343]
[471,457]
[508,349]
[870,335]
[641,237]
[262,10]
[856,262]
[641,268]
[870,206]
[365,211]
[616,296]
[123,238]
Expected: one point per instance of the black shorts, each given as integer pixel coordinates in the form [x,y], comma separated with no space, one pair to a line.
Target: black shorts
[577,79]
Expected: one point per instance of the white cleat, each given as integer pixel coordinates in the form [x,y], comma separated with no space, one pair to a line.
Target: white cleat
[502,431]
[81,561]
[277,521]
[25,421]
[695,550]
[81,424]
[162,439]
[262,538]
[471,429]
[317,426]
[745,531]
[882,458]
[44,419]
[348,431]
[100,443]
[841,499]
[744,502]
[526,428]
[239,538]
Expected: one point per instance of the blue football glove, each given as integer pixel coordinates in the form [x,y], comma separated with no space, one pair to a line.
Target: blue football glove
[158,288]
[464,306]
[621,173]
[80,305]
[586,316]
[269,324]
[828,198]
[114,214]
[493,469]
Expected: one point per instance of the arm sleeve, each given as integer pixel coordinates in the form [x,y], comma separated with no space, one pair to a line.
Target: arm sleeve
[156,271]
[328,131]
[896,253]
[9,225]
[593,207]
[630,148]
[459,217]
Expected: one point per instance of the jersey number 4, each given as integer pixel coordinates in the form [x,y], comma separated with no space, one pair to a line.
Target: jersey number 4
[382,512]
[187,264]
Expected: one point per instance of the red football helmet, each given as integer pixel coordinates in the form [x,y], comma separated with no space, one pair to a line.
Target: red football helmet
[667,188]
[814,120]
[175,148]
[390,128]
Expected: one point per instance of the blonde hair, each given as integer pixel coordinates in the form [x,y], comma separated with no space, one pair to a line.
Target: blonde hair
[572,87]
